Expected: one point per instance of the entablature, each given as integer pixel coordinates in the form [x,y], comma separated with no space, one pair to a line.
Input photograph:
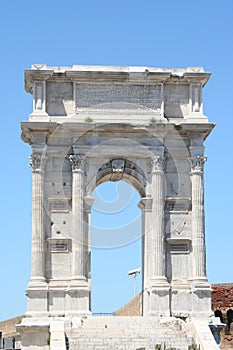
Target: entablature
[109,94]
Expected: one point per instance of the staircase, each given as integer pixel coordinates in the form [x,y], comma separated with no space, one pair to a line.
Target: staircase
[126,333]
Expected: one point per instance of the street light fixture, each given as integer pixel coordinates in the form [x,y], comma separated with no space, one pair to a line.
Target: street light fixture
[134,273]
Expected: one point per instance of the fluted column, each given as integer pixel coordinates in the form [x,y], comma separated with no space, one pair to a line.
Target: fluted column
[89,201]
[37,163]
[198,225]
[77,164]
[158,217]
[145,205]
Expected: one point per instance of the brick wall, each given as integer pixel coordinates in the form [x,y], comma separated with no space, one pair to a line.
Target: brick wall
[133,308]
[8,327]
[222,296]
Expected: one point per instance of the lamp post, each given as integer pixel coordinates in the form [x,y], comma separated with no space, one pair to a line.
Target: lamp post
[134,273]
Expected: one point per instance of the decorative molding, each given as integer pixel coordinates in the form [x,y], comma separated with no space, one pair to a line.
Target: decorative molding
[197,163]
[37,162]
[178,205]
[59,245]
[118,165]
[157,163]
[39,66]
[179,245]
[89,201]
[77,162]
[196,100]
[146,203]
[59,205]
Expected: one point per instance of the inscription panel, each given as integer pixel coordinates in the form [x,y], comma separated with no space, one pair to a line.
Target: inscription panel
[104,97]
[178,248]
[59,245]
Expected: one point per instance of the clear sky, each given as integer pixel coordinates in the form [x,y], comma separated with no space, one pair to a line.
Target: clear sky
[158,33]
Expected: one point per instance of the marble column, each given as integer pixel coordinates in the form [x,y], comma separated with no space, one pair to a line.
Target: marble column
[145,205]
[37,163]
[77,164]
[158,217]
[156,286]
[89,201]
[198,225]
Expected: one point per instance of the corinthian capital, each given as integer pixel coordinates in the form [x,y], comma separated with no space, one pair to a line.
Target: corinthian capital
[157,163]
[77,161]
[37,161]
[197,163]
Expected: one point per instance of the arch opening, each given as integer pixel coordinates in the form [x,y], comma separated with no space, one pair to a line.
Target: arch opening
[116,245]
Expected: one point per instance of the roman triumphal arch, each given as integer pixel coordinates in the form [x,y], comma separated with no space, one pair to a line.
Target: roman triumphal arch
[146,126]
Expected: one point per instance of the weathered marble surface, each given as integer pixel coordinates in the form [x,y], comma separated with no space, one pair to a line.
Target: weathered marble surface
[127,94]
[142,125]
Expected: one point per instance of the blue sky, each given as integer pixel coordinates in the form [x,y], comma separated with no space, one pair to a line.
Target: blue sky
[149,33]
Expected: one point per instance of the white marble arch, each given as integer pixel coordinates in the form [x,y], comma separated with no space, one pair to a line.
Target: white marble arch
[156,145]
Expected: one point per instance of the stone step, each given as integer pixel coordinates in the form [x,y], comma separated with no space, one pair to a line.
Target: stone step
[126,333]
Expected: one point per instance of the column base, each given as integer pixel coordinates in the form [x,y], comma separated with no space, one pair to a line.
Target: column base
[77,297]
[181,299]
[37,283]
[34,333]
[37,295]
[159,281]
[201,298]
[78,282]
[156,298]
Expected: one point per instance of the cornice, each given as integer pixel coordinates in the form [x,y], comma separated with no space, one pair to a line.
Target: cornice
[108,74]
[75,129]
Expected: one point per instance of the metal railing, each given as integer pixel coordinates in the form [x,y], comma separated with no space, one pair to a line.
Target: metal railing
[103,314]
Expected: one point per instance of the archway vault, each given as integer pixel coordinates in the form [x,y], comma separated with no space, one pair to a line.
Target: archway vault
[117,169]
